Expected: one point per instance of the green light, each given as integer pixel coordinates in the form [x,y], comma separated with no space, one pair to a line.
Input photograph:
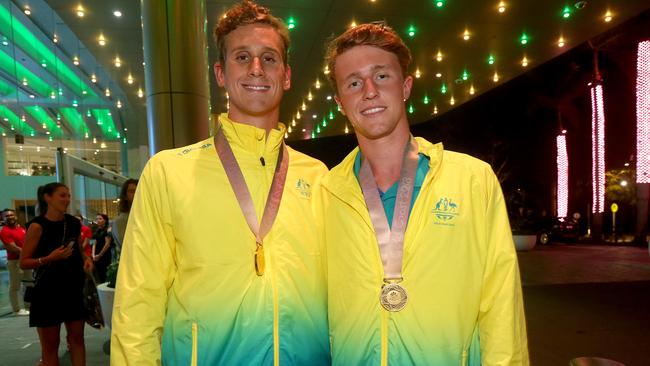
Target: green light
[523,39]
[426,99]
[491,60]
[43,118]
[6,89]
[331,116]
[440,3]
[88,114]
[75,103]
[20,72]
[32,134]
[411,31]
[50,138]
[411,109]
[324,122]
[105,120]
[317,129]
[14,120]
[291,23]
[313,135]
[75,120]
[465,75]
[443,89]
[338,108]
[566,12]
[124,140]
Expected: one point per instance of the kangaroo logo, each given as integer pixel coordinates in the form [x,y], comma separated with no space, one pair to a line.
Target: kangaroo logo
[303,188]
[445,211]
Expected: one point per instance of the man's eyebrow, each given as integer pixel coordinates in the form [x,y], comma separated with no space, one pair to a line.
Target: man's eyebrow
[264,49]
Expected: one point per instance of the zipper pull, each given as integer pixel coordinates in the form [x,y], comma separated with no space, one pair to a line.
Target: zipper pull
[262,161]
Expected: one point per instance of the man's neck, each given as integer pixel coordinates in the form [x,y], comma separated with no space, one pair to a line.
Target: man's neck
[266,122]
[385,156]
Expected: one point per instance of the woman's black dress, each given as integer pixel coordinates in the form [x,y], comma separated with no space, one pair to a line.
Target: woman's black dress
[101,266]
[59,291]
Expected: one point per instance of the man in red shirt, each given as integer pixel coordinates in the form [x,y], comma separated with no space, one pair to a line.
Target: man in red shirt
[13,237]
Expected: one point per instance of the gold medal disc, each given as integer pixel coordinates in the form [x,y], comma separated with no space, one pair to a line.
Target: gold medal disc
[259,260]
[393,297]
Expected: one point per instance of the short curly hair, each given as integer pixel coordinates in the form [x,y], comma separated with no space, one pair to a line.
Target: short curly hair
[376,34]
[245,13]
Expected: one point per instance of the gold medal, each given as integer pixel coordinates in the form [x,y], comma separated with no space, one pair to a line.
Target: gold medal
[393,297]
[259,260]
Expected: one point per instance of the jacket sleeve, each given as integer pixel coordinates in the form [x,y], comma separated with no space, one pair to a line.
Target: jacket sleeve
[146,272]
[502,324]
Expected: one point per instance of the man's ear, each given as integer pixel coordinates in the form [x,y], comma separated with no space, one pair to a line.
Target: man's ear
[287,78]
[338,102]
[218,73]
[408,85]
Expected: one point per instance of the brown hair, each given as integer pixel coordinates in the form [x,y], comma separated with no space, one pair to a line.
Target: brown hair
[125,205]
[376,34]
[245,13]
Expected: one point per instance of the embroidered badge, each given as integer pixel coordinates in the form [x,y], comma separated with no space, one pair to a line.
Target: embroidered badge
[303,188]
[445,211]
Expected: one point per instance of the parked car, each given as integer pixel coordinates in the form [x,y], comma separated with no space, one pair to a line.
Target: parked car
[563,229]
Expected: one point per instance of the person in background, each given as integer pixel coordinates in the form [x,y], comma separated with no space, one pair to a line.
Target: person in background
[13,238]
[118,224]
[203,281]
[53,248]
[422,269]
[86,234]
[101,250]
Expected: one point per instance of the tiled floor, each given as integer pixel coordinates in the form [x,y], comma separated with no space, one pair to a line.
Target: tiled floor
[580,301]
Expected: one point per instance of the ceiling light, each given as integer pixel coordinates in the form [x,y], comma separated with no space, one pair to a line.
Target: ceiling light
[293,122]
[119,104]
[317,84]
[495,78]
[117,13]
[523,39]
[93,78]
[439,4]
[101,40]
[75,60]
[129,79]
[608,16]
[411,31]
[291,23]
[438,75]
[418,73]
[55,38]
[353,24]
[490,60]
[566,12]
[107,92]
[435,109]
[326,70]
[560,42]
[466,35]
[140,93]
[117,62]
[103,145]
[314,116]
[452,101]
[501,7]
[471,90]
[25,82]
[298,115]
[310,96]
[303,107]
[524,61]
[439,56]
[80,11]
[27,10]
[329,97]
[32,96]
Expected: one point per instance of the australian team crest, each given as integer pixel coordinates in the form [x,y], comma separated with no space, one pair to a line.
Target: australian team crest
[303,188]
[445,211]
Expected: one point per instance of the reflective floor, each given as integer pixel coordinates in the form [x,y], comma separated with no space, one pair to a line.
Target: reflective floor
[581,300]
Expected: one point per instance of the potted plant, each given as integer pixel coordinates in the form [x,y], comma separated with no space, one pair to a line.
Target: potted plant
[106,292]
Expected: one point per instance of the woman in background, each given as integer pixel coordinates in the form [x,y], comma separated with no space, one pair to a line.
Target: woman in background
[101,251]
[53,247]
[126,200]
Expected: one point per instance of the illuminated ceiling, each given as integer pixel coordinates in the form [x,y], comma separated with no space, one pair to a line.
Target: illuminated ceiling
[460,50]
[50,85]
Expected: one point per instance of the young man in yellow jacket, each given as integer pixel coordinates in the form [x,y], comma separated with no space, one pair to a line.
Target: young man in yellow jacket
[222,263]
[422,269]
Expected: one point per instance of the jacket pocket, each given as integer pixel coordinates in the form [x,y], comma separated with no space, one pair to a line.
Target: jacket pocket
[195,344]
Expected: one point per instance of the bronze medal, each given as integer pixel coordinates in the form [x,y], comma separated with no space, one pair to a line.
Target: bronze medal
[259,260]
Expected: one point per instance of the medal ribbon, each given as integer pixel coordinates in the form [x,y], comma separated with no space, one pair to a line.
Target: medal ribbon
[391,240]
[239,187]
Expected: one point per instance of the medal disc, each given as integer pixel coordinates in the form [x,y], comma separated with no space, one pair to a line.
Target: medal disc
[393,297]
[259,260]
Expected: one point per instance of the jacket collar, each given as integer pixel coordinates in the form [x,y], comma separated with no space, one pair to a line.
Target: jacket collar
[251,138]
[341,182]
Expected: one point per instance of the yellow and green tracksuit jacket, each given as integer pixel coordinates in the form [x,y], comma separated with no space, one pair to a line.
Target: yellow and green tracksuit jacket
[187,292]
[460,271]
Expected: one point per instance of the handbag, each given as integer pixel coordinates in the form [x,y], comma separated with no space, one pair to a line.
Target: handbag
[94,316]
